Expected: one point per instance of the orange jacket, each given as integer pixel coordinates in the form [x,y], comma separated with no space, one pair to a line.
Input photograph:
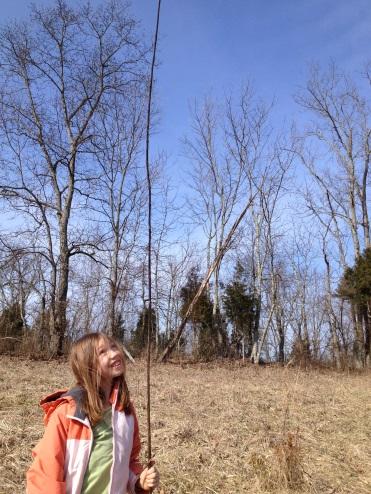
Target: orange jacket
[62,455]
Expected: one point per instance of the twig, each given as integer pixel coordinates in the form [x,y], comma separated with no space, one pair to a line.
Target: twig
[10,338]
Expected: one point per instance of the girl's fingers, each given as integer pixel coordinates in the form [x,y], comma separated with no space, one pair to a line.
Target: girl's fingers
[147,470]
[151,473]
[152,482]
[151,476]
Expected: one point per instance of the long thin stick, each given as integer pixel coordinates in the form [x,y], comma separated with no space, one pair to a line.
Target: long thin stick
[150,322]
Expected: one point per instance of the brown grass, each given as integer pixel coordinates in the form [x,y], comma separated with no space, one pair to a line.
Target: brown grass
[218,428]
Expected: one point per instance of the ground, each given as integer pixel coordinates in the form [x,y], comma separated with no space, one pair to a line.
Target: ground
[222,428]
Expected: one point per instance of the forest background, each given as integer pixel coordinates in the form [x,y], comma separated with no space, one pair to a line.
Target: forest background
[269,110]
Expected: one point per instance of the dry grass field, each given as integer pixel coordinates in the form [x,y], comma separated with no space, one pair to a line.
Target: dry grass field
[218,428]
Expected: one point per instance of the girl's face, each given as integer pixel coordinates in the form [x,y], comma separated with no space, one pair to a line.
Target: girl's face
[110,360]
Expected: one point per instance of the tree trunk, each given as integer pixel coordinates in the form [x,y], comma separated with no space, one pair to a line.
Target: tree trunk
[254,357]
[60,320]
[358,344]
[281,336]
[263,336]
[367,331]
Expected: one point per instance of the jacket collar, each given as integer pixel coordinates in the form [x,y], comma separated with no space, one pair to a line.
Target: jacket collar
[77,394]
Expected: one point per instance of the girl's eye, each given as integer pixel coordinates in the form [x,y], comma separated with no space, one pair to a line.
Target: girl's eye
[101,352]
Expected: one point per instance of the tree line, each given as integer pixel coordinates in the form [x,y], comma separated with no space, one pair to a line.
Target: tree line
[293,283]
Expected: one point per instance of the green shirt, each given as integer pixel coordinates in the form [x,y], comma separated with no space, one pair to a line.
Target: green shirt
[97,475]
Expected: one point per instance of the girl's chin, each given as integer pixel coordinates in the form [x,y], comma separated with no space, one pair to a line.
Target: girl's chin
[117,372]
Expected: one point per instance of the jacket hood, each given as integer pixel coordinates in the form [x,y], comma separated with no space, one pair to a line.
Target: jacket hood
[52,401]
[74,396]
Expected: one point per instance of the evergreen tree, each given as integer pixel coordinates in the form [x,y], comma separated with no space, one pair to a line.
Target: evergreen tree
[240,308]
[119,328]
[201,317]
[11,327]
[355,286]
[139,337]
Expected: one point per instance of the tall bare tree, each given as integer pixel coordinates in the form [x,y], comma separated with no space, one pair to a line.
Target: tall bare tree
[225,149]
[337,156]
[342,133]
[119,196]
[56,73]
[215,180]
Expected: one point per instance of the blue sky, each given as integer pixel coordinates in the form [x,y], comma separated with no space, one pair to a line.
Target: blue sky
[213,46]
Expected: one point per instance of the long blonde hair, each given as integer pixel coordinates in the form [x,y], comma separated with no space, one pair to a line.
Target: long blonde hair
[85,367]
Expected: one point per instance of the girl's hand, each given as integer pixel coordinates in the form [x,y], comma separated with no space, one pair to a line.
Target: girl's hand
[149,479]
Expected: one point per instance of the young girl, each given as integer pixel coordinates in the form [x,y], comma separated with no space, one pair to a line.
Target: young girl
[91,442]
